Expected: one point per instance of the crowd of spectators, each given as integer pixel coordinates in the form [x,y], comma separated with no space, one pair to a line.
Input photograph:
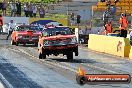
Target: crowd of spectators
[109,13]
[16,9]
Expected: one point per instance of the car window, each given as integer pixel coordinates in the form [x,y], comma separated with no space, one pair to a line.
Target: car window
[25,28]
[57,31]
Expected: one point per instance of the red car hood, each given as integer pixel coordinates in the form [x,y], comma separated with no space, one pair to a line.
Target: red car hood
[28,32]
[59,37]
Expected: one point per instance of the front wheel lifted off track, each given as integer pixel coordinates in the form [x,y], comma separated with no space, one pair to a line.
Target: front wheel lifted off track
[70,56]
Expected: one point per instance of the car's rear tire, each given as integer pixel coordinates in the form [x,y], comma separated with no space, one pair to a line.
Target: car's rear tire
[12,42]
[70,56]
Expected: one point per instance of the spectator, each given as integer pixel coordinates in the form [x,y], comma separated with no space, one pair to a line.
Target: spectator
[113,10]
[106,16]
[86,32]
[102,0]
[4,6]
[72,19]
[30,9]
[108,3]
[0,5]
[34,10]
[18,7]
[108,27]
[13,9]
[26,9]
[78,20]
[123,25]
[81,36]
[131,37]
[1,23]
[10,29]
[41,11]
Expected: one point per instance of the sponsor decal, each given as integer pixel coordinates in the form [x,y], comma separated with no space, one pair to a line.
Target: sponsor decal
[83,78]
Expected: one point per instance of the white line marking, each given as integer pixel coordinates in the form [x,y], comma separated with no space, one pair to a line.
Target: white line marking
[7,84]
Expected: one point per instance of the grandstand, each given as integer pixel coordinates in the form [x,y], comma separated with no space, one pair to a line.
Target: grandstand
[123,6]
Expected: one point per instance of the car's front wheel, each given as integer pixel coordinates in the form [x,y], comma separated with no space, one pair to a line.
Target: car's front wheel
[70,56]
[42,56]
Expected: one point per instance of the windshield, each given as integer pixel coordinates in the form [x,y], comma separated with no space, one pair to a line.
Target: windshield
[25,28]
[57,31]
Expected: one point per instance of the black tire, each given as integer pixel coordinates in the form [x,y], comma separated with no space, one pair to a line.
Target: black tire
[80,79]
[12,42]
[70,56]
[42,56]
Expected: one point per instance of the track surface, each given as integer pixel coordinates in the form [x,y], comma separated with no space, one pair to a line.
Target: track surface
[21,68]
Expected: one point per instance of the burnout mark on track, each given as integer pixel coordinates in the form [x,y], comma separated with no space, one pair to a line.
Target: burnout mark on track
[15,77]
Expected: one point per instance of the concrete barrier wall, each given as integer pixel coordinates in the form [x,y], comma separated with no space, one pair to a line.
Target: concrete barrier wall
[109,44]
[130,54]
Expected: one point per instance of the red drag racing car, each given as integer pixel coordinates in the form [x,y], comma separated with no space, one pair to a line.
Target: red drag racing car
[25,34]
[57,40]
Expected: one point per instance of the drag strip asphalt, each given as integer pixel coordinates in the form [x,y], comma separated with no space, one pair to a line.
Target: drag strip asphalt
[21,67]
